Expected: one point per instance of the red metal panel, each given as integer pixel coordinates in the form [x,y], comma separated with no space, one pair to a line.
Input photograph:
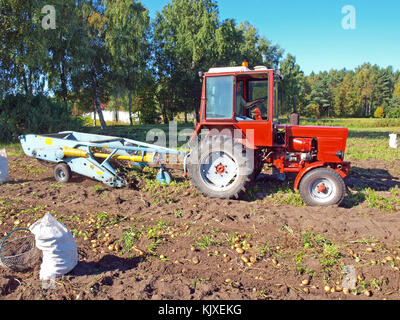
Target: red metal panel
[308,168]
[203,102]
[342,169]
[330,140]
[262,131]
[300,144]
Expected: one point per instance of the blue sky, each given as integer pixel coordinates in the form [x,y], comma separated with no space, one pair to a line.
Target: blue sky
[312,29]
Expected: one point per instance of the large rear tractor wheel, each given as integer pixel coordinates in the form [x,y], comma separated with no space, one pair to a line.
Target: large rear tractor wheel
[220,168]
[322,187]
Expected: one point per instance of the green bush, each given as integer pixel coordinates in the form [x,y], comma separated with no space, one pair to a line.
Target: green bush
[312,111]
[39,114]
[394,109]
[148,114]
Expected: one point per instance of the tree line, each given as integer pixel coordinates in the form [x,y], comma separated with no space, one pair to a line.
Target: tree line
[111,53]
[367,91]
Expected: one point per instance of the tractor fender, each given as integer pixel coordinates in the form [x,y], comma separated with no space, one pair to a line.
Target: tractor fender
[306,169]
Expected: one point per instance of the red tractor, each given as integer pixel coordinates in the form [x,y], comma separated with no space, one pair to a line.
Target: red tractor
[238,133]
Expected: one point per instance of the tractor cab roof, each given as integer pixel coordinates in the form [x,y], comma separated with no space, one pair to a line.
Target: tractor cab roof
[240,69]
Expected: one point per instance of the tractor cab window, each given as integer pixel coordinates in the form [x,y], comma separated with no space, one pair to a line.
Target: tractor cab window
[219,97]
[258,91]
[277,99]
[240,102]
[255,102]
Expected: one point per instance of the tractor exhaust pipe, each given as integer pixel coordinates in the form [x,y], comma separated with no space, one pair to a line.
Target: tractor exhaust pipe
[294,117]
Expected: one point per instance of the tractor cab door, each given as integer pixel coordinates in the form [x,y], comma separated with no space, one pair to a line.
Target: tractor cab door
[253,107]
[279,131]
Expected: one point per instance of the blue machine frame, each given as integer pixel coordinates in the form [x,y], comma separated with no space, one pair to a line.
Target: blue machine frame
[50,147]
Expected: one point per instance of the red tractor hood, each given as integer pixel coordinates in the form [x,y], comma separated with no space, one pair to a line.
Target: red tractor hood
[331,141]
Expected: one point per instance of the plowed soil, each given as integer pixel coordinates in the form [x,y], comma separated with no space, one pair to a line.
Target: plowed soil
[156,242]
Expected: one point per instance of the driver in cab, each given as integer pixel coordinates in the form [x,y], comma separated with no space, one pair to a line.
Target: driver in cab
[242,105]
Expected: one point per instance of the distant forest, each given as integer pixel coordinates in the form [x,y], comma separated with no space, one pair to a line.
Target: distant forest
[111,54]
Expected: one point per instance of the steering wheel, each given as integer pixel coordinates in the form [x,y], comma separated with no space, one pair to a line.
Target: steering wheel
[251,104]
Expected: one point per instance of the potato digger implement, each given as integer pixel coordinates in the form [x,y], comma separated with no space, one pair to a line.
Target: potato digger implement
[91,155]
[237,135]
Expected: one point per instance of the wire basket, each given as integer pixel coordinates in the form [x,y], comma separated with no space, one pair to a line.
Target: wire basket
[18,250]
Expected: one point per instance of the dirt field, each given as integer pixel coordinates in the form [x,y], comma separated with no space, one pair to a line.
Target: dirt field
[155,242]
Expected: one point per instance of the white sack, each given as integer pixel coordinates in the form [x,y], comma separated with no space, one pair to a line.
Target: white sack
[393,141]
[4,177]
[60,253]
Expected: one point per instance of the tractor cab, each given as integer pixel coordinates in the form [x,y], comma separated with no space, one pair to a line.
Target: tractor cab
[244,98]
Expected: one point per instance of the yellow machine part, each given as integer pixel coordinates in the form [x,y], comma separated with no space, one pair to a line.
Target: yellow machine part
[77,153]
[146,158]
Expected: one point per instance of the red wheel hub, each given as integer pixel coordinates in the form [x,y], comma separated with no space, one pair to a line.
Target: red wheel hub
[220,168]
[321,187]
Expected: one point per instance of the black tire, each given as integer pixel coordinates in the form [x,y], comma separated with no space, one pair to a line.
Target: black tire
[62,172]
[258,165]
[234,157]
[322,187]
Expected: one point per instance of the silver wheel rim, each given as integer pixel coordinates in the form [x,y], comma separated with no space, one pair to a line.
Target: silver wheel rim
[322,190]
[60,174]
[219,171]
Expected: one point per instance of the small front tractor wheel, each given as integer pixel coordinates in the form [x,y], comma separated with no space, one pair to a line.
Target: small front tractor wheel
[62,172]
[220,168]
[322,187]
